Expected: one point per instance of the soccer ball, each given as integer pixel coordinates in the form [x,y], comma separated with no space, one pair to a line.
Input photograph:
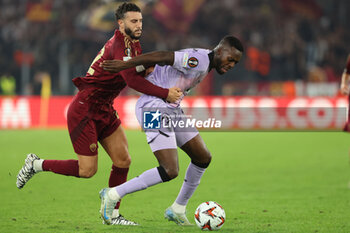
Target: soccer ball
[209,216]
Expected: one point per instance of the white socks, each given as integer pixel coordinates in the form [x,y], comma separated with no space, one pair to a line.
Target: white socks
[38,165]
[115,213]
[113,194]
[181,209]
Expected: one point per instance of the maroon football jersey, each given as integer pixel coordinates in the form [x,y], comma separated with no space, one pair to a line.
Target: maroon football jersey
[105,86]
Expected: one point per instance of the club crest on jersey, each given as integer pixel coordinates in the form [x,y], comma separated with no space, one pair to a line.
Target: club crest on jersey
[93,147]
[192,62]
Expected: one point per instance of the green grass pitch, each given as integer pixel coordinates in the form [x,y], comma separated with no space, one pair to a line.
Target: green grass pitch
[266,182]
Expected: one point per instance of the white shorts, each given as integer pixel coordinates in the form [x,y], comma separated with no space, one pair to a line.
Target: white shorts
[163,138]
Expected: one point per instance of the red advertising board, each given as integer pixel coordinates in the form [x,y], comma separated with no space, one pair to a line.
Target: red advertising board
[319,113]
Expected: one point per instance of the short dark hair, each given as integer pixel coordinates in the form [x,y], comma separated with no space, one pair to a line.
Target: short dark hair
[124,8]
[233,42]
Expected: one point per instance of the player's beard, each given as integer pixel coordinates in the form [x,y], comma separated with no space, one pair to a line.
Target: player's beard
[132,34]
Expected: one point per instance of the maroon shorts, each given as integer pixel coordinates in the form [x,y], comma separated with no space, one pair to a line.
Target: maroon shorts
[90,122]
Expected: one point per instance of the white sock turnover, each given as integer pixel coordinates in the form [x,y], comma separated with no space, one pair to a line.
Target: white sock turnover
[178,208]
[38,165]
[113,194]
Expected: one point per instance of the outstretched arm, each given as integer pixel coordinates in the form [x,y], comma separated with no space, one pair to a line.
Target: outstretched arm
[142,85]
[147,59]
[344,86]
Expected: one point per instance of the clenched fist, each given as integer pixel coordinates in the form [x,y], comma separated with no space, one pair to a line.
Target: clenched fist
[174,94]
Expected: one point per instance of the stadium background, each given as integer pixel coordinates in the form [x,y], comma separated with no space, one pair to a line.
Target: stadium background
[266,181]
[287,42]
[293,48]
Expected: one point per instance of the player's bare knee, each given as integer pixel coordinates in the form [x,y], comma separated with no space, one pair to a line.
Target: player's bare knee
[87,173]
[203,160]
[124,161]
[172,172]
[207,157]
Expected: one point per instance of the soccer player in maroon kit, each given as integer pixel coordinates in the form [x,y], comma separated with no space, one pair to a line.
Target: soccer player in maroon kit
[91,116]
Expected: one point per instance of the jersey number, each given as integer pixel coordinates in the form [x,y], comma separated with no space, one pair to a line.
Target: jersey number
[91,71]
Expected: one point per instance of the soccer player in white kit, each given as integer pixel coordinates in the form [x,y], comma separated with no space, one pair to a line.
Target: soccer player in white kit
[184,69]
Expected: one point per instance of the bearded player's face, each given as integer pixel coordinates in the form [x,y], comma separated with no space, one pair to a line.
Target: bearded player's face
[133,24]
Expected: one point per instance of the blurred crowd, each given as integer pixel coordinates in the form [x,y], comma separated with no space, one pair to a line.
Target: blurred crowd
[286,41]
